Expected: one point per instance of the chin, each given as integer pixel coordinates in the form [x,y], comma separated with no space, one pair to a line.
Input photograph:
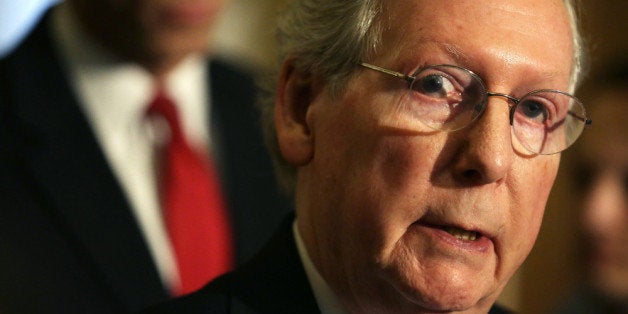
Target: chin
[180,43]
[448,301]
[450,294]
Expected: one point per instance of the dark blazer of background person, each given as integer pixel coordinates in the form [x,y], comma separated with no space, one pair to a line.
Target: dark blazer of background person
[68,240]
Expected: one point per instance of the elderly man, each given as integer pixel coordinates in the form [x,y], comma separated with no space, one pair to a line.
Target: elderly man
[421,140]
[108,201]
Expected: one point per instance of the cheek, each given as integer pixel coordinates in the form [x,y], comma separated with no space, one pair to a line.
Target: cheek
[529,193]
[376,174]
[391,198]
[539,182]
[399,188]
[407,163]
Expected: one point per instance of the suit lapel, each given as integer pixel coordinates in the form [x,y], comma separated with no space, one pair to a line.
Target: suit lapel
[66,164]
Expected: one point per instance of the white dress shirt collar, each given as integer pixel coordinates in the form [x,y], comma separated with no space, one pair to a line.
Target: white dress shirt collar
[327,300]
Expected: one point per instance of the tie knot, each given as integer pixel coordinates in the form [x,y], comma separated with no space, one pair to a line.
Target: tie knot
[163,106]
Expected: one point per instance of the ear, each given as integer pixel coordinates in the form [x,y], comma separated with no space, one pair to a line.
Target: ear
[295,94]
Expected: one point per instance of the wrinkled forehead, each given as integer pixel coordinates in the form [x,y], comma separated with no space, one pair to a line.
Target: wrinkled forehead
[536,32]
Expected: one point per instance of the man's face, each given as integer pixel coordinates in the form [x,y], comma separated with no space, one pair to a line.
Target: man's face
[603,157]
[149,30]
[388,215]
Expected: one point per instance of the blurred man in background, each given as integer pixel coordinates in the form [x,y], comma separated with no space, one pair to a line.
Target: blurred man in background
[602,176]
[131,164]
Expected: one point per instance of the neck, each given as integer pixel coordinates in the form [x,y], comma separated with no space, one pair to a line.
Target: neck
[160,69]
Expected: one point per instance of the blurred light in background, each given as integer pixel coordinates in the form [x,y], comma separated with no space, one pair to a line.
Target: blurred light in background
[17,17]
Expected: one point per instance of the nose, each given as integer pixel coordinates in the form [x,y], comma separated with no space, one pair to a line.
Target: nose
[485,154]
[603,206]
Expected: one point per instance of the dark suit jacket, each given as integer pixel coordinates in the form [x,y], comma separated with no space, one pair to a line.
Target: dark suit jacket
[68,240]
[272,282]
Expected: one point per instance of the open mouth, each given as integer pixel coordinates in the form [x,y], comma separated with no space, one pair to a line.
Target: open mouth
[461,234]
[446,233]
[456,232]
[463,237]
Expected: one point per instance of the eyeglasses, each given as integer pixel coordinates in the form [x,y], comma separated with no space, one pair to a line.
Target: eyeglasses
[448,98]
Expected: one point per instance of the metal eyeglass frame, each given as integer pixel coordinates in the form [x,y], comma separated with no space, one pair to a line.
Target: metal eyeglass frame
[410,79]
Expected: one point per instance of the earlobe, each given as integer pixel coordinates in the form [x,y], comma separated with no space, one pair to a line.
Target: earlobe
[294,97]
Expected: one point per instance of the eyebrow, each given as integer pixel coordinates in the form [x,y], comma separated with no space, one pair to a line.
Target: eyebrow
[453,53]
[461,58]
[456,55]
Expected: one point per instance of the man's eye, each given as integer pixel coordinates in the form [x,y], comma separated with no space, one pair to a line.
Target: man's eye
[533,110]
[434,85]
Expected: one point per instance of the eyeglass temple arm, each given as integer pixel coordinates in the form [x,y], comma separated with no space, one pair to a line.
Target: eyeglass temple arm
[405,77]
[581,118]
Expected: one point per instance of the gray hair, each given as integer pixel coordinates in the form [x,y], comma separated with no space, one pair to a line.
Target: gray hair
[327,39]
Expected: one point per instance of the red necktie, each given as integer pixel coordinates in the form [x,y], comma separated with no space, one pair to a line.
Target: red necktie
[196,218]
